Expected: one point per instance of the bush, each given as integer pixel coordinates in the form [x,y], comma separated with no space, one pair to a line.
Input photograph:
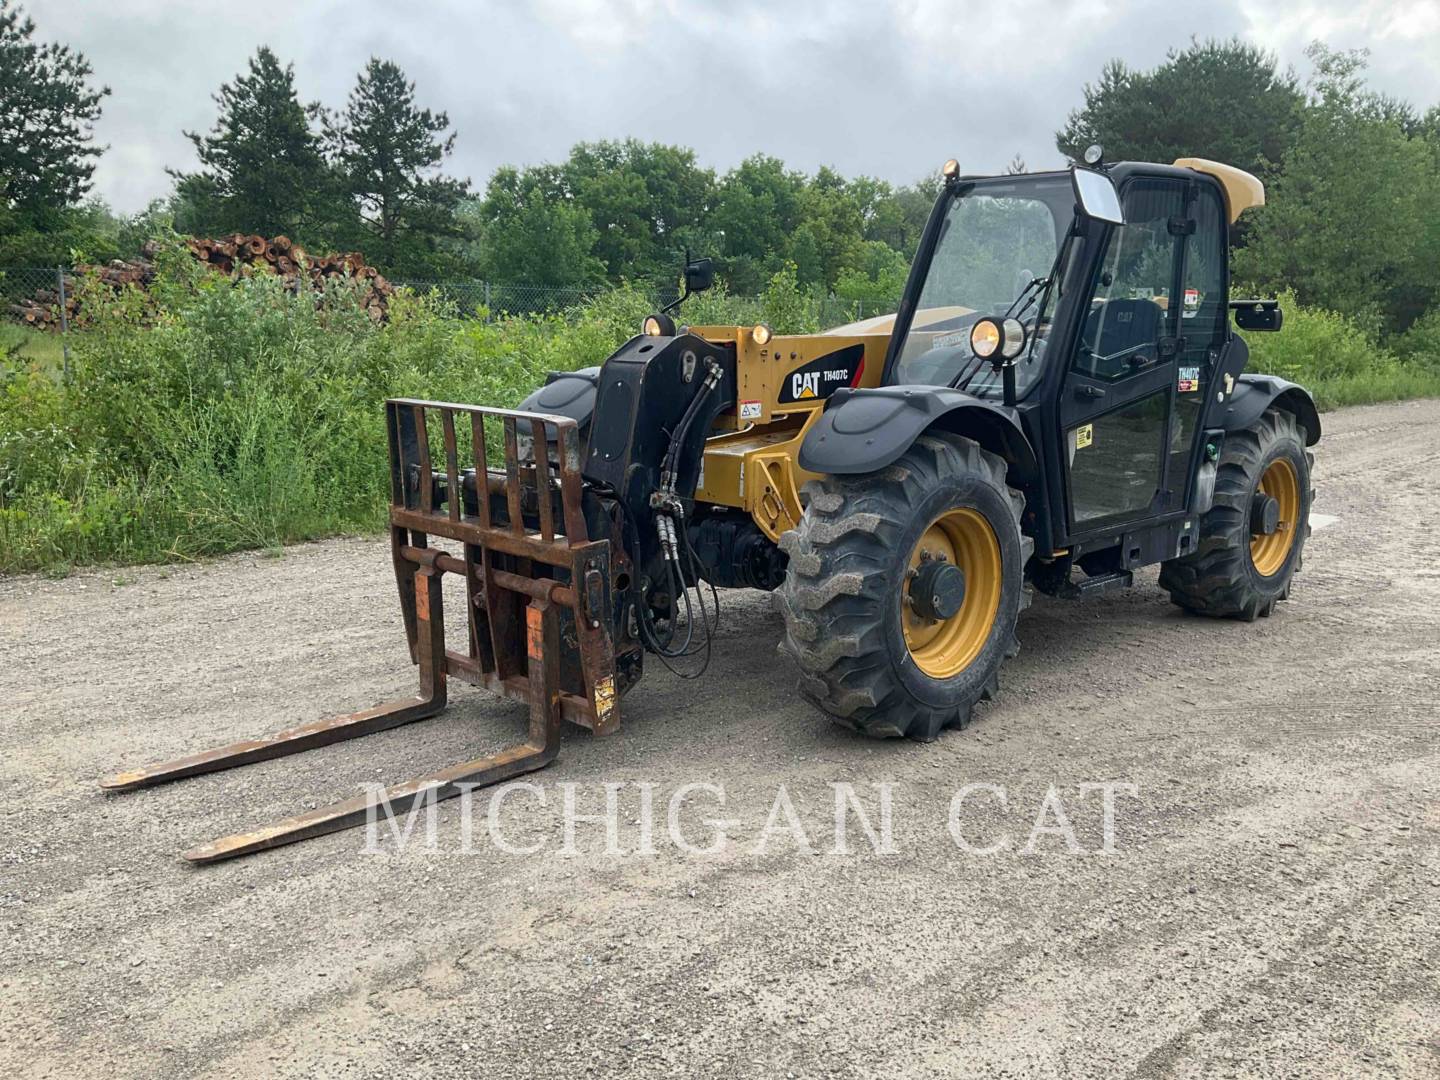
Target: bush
[1420,345]
[210,416]
[1336,359]
[241,415]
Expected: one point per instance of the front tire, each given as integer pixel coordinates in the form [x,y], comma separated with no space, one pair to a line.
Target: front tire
[903,589]
[1252,538]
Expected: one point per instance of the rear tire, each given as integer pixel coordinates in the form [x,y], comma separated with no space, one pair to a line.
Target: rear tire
[1235,572]
[850,623]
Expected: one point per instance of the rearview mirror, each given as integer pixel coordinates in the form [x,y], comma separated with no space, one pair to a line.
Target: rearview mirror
[1096,196]
[699,275]
[1257,314]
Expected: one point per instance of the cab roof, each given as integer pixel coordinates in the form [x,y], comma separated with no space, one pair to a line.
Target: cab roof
[1242,191]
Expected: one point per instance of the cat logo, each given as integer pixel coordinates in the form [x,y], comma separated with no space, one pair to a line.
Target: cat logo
[817,379]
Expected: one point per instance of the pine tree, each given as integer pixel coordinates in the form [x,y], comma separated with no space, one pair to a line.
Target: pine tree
[48,108]
[263,169]
[387,150]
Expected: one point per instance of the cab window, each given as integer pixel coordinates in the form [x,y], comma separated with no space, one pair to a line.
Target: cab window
[1131,308]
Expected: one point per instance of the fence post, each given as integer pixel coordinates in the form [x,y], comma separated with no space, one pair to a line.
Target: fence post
[64,324]
[487,301]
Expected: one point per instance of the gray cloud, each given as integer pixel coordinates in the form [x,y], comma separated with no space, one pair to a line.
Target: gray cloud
[889,87]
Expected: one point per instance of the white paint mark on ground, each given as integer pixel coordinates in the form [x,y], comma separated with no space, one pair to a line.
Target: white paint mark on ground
[1322,521]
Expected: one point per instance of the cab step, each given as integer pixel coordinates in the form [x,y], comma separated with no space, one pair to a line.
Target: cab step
[1094,586]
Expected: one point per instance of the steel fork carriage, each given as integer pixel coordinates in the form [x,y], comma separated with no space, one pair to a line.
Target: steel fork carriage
[526,544]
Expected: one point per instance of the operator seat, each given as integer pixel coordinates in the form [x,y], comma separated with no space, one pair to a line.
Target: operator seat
[1114,327]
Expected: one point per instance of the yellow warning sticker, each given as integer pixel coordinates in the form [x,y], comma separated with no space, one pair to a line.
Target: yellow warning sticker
[604,698]
[1084,436]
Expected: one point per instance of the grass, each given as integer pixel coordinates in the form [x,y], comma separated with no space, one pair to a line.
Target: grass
[208,417]
[212,417]
[20,347]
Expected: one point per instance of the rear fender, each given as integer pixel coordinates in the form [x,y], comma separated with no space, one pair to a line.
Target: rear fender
[862,431]
[1256,393]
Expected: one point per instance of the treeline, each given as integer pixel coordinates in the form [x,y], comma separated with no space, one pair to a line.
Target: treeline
[1353,177]
[1352,216]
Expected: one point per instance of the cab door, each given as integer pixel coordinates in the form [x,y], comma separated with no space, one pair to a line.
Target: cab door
[1117,410]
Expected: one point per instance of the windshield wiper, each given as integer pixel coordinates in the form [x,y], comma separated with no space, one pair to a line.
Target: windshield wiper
[1032,289]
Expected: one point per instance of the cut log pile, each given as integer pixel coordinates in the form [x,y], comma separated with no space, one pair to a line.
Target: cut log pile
[42,311]
[236,255]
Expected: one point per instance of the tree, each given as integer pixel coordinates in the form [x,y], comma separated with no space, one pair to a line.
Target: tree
[1352,223]
[642,198]
[1222,100]
[898,218]
[877,281]
[532,233]
[48,108]
[387,150]
[831,231]
[757,208]
[263,170]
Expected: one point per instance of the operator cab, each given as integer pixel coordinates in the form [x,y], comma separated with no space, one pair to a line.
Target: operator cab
[1111,286]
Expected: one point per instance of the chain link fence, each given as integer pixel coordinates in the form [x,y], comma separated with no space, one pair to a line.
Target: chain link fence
[22,283]
[35,298]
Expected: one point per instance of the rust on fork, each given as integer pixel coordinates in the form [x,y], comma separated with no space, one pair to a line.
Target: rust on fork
[528,565]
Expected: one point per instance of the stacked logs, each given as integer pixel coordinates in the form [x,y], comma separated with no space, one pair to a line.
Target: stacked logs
[240,254]
[42,311]
[236,255]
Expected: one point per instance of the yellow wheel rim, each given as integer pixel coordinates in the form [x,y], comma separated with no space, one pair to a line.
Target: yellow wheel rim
[943,648]
[1268,553]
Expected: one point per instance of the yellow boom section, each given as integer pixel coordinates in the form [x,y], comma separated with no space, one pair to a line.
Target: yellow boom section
[750,462]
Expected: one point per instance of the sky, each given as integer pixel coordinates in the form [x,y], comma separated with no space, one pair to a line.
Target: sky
[887,88]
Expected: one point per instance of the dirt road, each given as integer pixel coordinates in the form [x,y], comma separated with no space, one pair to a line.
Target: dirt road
[1271,906]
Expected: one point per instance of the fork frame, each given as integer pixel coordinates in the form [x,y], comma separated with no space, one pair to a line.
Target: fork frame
[574,576]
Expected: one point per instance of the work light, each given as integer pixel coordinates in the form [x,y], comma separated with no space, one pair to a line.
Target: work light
[658,325]
[985,338]
[992,337]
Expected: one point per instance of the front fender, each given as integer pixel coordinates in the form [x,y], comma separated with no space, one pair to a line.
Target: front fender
[566,393]
[1256,393]
[862,431]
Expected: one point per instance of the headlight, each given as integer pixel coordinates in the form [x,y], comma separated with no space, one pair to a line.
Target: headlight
[985,338]
[992,337]
[761,334]
[951,169]
[658,325]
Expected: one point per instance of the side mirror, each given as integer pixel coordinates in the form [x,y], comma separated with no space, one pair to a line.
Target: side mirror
[1257,314]
[699,275]
[1096,196]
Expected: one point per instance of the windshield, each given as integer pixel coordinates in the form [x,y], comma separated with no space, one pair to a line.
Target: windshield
[996,251]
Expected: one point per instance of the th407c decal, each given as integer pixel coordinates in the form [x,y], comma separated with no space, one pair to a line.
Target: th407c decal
[822,377]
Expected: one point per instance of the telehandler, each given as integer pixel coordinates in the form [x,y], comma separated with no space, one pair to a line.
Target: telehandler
[1059,400]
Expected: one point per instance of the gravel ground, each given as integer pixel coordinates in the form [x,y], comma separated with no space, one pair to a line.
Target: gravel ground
[1271,906]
